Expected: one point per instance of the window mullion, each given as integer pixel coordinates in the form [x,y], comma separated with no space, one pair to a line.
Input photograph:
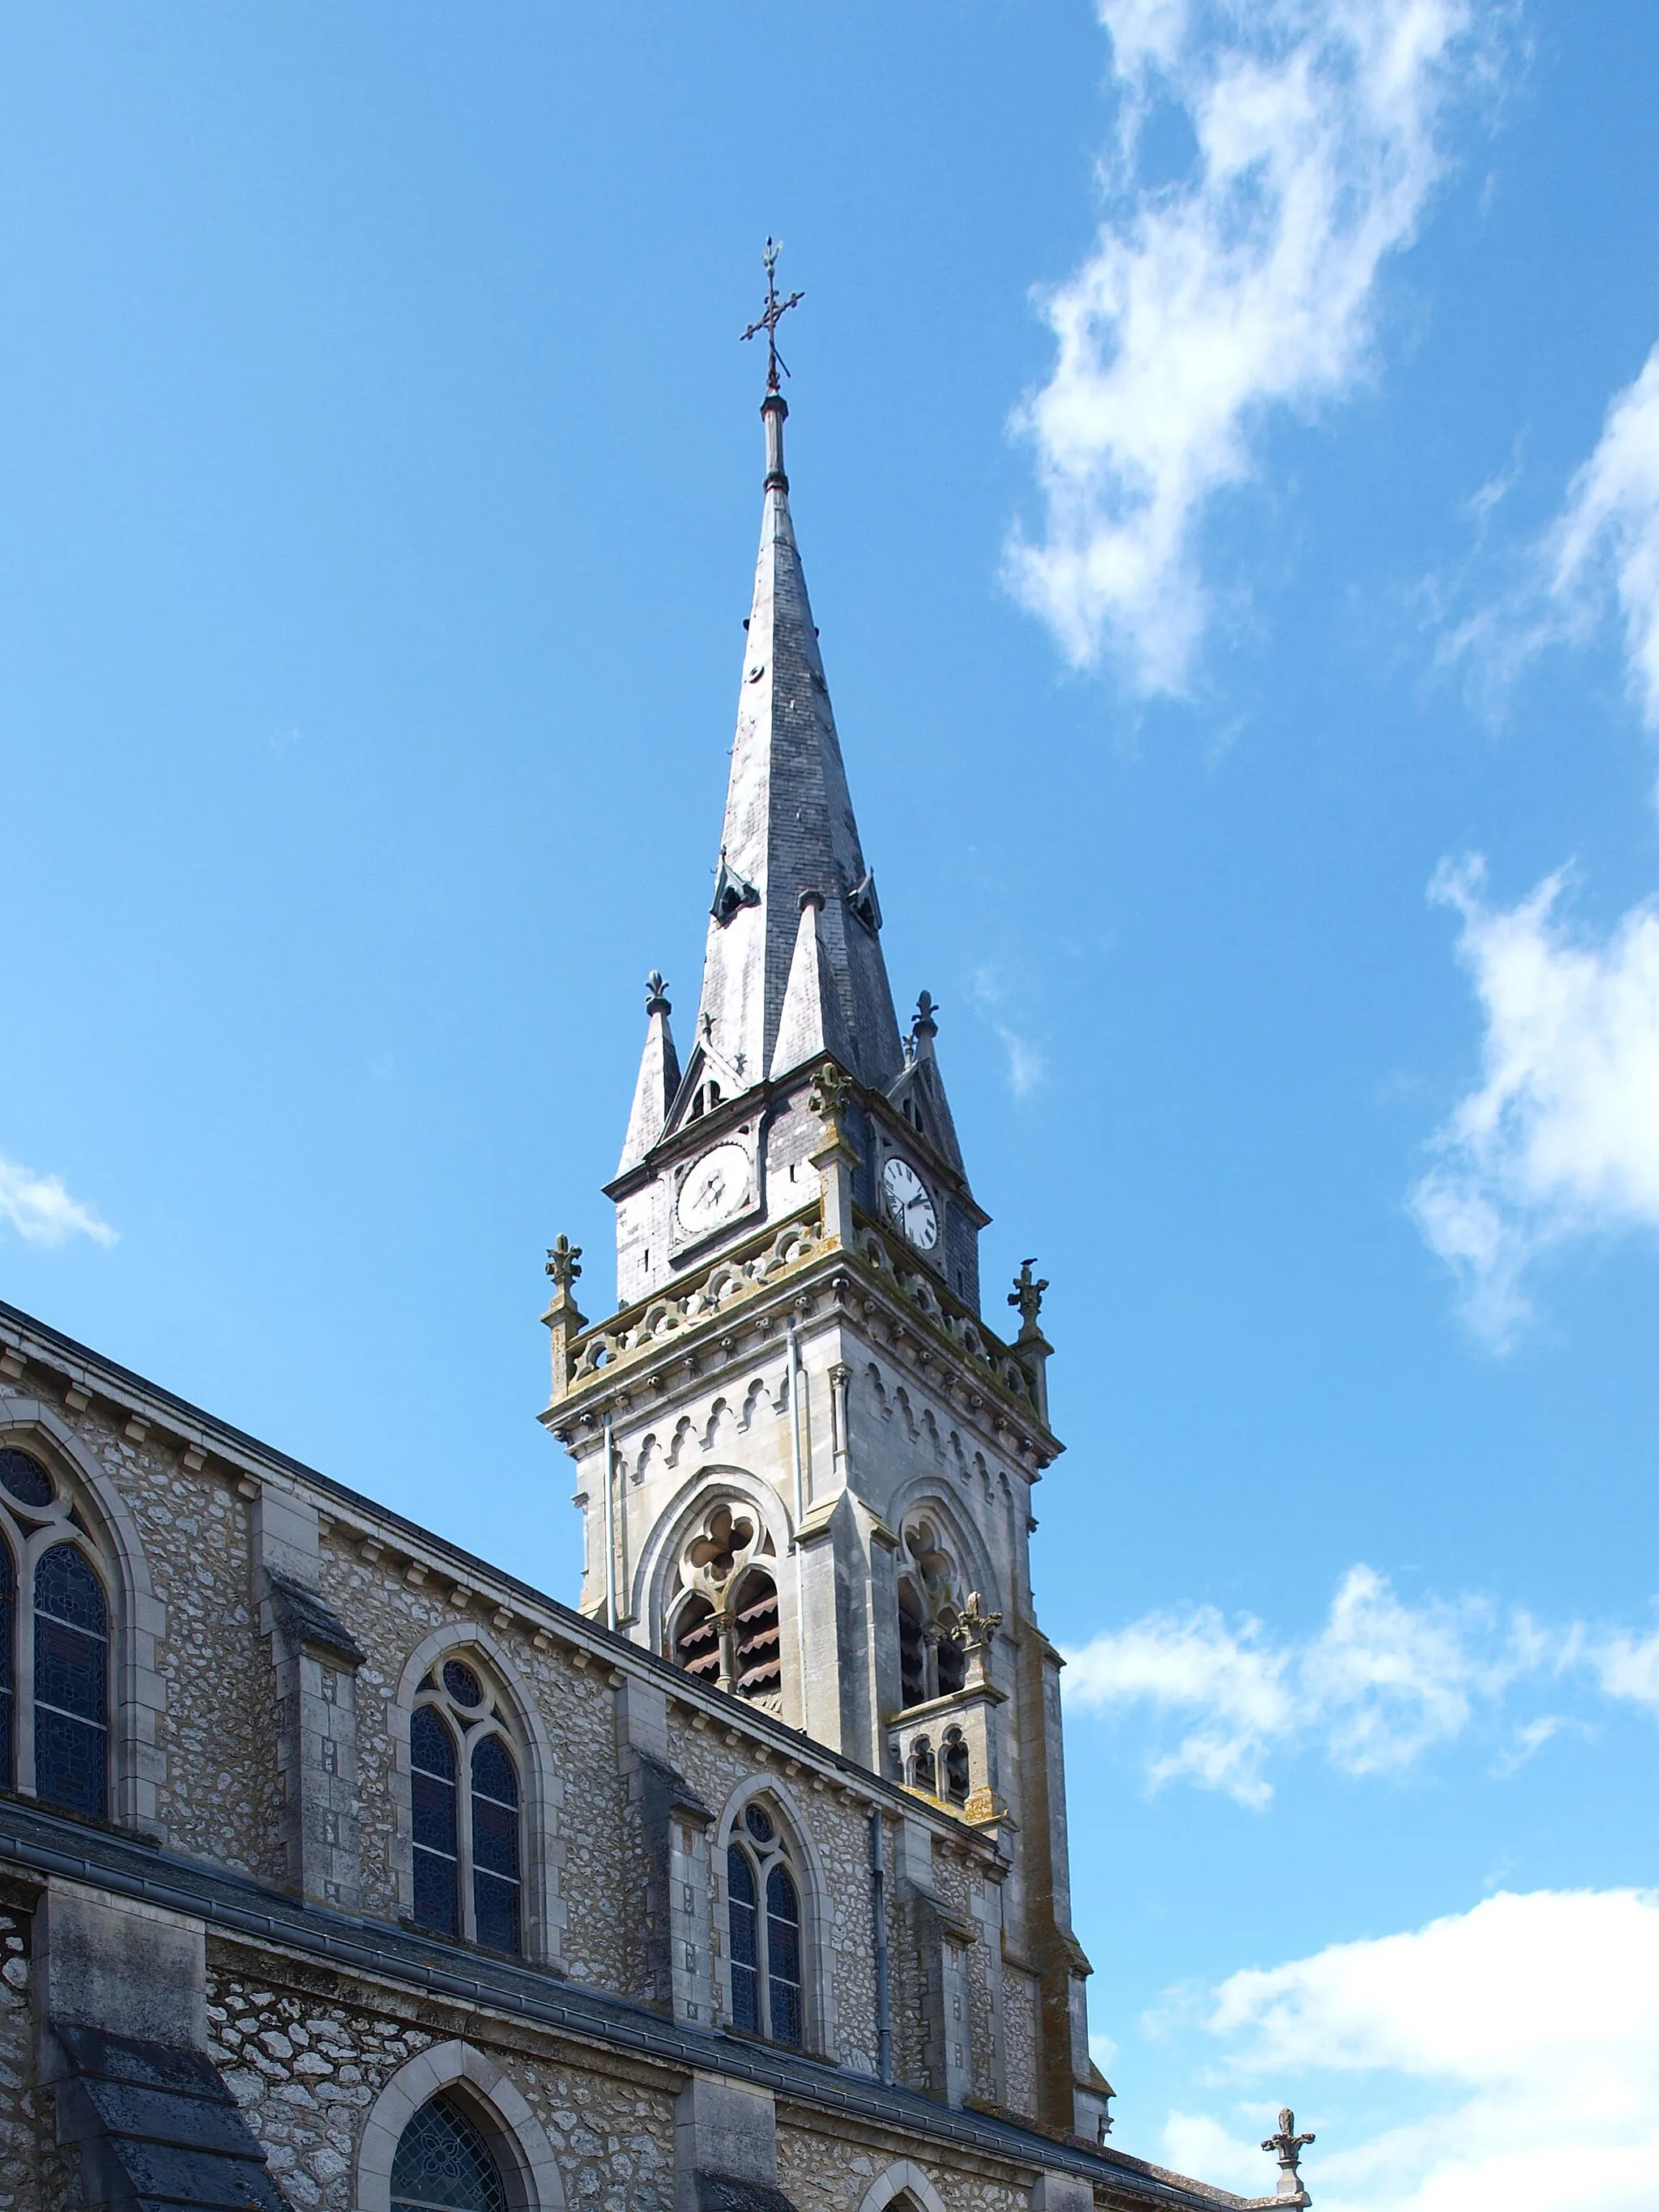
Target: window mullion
[762,1948]
[467,1901]
[24,1677]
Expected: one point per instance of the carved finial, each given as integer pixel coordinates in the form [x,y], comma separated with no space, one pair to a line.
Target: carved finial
[830,1087]
[656,1001]
[976,1629]
[563,1263]
[1027,1294]
[772,314]
[1287,2147]
[927,1007]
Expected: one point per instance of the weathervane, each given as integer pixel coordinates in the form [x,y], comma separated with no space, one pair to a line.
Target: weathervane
[776,309]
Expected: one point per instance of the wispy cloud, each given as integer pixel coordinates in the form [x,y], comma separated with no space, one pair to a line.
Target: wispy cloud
[41,1211]
[1605,544]
[992,997]
[1560,1137]
[1380,1684]
[1245,291]
[1523,2039]
[1515,598]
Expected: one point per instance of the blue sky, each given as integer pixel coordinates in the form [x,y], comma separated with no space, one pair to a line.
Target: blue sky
[1226,462]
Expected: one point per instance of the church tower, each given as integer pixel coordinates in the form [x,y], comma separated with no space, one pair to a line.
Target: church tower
[805,1461]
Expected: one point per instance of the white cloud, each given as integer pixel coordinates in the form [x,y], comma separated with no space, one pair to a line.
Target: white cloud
[1245,289]
[1197,2143]
[1196,1664]
[1379,1685]
[1607,537]
[1626,1667]
[42,1211]
[1521,2038]
[1561,1136]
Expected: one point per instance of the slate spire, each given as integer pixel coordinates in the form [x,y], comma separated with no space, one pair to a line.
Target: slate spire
[658,1077]
[791,892]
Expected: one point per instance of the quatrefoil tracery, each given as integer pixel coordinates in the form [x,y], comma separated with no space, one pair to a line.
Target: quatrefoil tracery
[723,1543]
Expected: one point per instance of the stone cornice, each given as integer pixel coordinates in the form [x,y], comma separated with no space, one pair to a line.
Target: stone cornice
[710,1315]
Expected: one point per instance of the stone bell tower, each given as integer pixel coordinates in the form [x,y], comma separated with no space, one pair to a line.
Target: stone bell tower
[805,1461]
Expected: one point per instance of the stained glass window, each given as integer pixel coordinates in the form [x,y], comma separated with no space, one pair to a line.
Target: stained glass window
[432,1757]
[443,2164]
[8,1630]
[71,1683]
[23,1475]
[467,1810]
[495,1845]
[746,1950]
[783,1955]
[763,1930]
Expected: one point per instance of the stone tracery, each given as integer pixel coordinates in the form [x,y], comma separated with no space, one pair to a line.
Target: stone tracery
[724,1629]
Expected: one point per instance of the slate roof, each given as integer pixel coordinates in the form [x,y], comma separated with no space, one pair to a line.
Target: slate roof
[789,830]
[155,2128]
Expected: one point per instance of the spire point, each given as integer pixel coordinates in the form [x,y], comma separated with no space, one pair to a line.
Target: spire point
[655,1000]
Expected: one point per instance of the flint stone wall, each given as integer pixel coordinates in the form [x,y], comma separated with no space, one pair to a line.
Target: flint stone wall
[831,2172]
[306,2061]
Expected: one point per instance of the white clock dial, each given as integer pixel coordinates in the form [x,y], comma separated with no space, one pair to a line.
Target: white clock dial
[715,1188]
[909,1205]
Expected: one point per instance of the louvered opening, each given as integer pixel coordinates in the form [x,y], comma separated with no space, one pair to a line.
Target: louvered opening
[913,1663]
[697,1639]
[758,1654]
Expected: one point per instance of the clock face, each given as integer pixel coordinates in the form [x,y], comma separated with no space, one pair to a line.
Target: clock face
[715,1188]
[909,1204]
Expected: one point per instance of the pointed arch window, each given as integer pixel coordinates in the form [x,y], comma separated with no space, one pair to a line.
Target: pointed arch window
[764,1931]
[7,1664]
[956,1767]
[466,1810]
[932,1660]
[443,2164]
[724,1626]
[54,1643]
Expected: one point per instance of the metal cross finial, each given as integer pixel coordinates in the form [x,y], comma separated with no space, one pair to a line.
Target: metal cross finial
[776,309]
[1287,2147]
